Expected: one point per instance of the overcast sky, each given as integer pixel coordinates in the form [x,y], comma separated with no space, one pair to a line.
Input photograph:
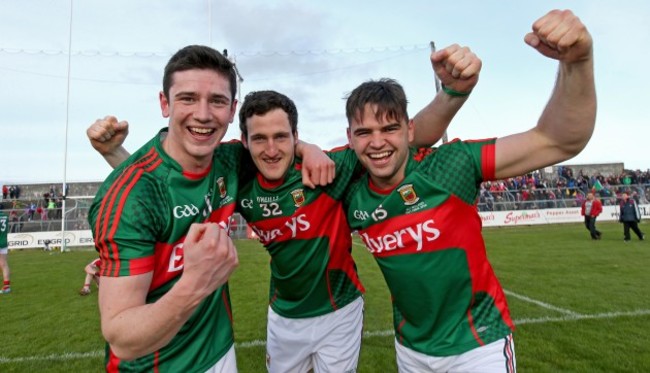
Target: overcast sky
[315,52]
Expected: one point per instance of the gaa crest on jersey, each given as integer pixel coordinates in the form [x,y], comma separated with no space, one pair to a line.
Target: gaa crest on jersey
[298,197]
[408,194]
[222,187]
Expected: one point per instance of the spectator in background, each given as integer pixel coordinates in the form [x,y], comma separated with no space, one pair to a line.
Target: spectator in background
[51,209]
[4,250]
[591,208]
[5,192]
[630,216]
[627,179]
[92,275]
[579,199]
[13,218]
[30,211]
[59,209]
[41,211]
[12,192]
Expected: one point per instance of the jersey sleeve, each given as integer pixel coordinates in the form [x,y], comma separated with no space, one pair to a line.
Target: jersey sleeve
[348,169]
[460,166]
[233,154]
[483,157]
[126,221]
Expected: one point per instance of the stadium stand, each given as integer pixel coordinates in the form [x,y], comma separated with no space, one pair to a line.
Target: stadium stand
[556,187]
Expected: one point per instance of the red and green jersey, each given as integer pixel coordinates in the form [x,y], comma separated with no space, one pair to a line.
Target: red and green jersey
[140,217]
[426,237]
[4,230]
[306,233]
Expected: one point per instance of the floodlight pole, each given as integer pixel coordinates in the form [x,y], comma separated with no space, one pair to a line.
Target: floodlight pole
[437,83]
[64,191]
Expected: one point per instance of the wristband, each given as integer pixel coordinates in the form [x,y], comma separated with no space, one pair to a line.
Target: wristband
[454,93]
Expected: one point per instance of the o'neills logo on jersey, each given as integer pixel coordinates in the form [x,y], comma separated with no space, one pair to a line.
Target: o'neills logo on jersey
[408,194]
[298,197]
[222,187]
[403,238]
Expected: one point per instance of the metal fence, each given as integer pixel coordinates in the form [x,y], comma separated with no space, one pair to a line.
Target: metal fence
[31,215]
[557,197]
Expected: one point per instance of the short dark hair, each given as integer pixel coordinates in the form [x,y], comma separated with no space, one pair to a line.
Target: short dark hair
[202,58]
[261,102]
[386,93]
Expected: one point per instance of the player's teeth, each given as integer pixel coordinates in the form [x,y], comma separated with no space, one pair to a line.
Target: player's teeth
[379,155]
[202,131]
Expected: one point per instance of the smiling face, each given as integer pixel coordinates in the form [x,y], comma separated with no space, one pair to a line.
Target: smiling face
[381,144]
[200,108]
[271,143]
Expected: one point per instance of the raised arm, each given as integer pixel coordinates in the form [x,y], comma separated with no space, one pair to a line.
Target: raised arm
[568,120]
[107,136]
[458,69]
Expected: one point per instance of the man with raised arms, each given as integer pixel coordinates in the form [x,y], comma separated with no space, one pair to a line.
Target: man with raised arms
[416,212]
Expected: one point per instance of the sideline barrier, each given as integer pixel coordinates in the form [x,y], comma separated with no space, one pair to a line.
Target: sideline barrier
[549,216]
[35,240]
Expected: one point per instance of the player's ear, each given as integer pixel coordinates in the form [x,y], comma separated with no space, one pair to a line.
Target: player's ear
[244,141]
[233,110]
[349,137]
[164,104]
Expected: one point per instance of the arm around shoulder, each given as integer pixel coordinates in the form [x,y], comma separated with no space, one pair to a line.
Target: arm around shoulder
[317,168]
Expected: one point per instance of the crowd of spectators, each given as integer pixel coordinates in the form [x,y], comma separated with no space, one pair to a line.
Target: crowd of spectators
[40,213]
[564,189]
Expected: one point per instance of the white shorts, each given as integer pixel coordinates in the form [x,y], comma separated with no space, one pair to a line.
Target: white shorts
[4,251]
[326,343]
[227,364]
[496,357]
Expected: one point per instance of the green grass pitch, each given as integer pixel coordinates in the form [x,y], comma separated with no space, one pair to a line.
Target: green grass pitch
[579,305]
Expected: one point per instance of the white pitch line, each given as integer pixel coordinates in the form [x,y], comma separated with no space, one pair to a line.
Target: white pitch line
[522,297]
[540,303]
[607,315]
[53,357]
[376,333]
